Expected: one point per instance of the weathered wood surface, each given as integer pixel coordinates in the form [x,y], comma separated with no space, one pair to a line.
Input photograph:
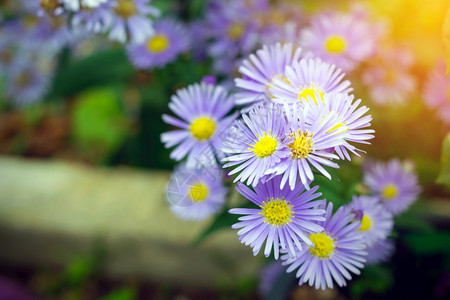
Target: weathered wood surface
[51,212]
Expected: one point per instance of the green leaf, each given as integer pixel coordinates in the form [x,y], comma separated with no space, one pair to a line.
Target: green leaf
[444,176]
[434,243]
[79,271]
[99,125]
[414,219]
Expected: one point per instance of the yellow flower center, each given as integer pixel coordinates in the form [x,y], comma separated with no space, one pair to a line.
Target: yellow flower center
[203,128]
[85,8]
[311,92]
[366,223]
[277,17]
[266,146]
[30,21]
[158,43]
[302,144]
[57,22]
[125,8]
[277,211]
[50,6]
[235,31]
[23,80]
[323,245]
[198,192]
[335,44]
[390,191]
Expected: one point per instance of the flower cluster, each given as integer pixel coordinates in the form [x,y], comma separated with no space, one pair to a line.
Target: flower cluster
[203,112]
[40,29]
[297,118]
[302,120]
[123,20]
[393,187]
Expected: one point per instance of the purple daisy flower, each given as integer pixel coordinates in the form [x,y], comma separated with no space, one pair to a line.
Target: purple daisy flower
[8,45]
[396,186]
[260,70]
[129,20]
[196,193]
[233,31]
[284,34]
[284,218]
[437,92]
[76,5]
[340,39]
[256,143]
[380,252]
[26,83]
[45,7]
[389,78]
[376,221]
[202,109]
[96,19]
[350,119]
[170,39]
[334,253]
[281,23]
[48,33]
[308,144]
[46,30]
[307,77]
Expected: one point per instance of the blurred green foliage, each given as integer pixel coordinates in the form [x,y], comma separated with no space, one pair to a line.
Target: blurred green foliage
[77,275]
[444,175]
[99,125]
[429,243]
[121,294]
[376,279]
[106,67]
